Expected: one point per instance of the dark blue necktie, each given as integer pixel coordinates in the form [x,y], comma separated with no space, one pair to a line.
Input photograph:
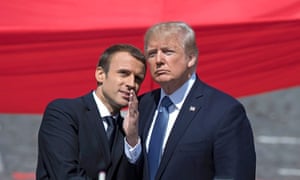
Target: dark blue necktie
[111,129]
[157,136]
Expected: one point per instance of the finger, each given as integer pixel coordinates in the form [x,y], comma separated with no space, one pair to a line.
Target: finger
[133,104]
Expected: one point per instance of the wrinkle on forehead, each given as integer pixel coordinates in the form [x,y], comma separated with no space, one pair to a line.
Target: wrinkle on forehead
[165,39]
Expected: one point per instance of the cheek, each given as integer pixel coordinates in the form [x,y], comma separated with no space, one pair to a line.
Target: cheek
[150,63]
[111,84]
[178,68]
[137,87]
[151,66]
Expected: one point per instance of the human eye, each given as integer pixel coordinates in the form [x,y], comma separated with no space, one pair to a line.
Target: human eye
[139,79]
[123,73]
[168,52]
[151,54]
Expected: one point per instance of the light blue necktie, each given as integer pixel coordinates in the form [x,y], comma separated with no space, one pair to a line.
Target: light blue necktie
[157,136]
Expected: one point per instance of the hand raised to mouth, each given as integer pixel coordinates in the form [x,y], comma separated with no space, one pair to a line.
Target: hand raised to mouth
[130,123]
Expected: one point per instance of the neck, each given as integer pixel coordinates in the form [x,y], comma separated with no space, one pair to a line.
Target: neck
[114,110]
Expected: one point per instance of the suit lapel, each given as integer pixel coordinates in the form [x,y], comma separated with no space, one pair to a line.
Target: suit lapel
[190,108]
[95,128]
[147,109]
[99,131]
[149,113]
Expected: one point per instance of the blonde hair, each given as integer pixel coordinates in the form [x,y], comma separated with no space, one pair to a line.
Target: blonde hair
[180,29]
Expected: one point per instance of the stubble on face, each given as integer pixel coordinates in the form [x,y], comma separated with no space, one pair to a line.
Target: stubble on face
[120,79]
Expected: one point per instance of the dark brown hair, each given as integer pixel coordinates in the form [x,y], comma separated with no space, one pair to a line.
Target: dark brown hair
[104,60]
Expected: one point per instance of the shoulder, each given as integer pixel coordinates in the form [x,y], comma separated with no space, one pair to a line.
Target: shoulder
[64,102]
[211,90]
[216,97]
[68,104]
[64,111]
[152,95]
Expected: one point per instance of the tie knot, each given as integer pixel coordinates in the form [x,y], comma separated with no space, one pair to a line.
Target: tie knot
[166,102]
[110,120]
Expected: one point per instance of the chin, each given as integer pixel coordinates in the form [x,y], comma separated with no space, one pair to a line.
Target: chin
[162,80]
[124,102]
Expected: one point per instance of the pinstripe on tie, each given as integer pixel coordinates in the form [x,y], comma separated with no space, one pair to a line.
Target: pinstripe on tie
[157,137]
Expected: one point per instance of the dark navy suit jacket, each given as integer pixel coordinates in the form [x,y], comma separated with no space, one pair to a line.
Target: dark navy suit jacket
[211,138]
[73,144]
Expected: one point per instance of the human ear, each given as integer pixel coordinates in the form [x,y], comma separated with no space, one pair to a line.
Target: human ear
[192,60]
[99,74]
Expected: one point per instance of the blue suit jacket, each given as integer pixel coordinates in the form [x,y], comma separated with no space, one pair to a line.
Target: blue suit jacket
[73,144]
[211,138]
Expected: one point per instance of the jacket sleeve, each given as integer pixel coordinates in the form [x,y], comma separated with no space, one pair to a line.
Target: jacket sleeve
[234,152]
[58,145]
[130,171]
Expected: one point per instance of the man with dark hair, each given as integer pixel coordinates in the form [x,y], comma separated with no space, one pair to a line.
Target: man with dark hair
[81,137]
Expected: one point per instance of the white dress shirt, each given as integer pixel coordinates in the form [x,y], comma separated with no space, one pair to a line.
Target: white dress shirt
[177,98]
[132,153]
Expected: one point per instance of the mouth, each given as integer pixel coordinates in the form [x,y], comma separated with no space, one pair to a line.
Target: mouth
[125,95]
[161,72]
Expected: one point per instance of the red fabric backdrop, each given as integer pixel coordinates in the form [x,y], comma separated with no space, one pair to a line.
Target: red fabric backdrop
[50,49]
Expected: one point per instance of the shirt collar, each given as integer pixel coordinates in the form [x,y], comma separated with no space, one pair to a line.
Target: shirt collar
[180,94]
[101,107]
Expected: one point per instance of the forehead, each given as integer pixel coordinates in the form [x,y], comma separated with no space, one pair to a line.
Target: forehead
[123,60]
[162,40]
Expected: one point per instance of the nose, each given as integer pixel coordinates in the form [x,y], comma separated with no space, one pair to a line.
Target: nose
[159,57]
[130,82]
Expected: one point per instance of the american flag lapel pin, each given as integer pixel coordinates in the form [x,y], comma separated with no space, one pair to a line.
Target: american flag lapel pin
[192,108]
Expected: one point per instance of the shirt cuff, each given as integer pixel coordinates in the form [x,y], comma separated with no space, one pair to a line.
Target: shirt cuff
[132,153]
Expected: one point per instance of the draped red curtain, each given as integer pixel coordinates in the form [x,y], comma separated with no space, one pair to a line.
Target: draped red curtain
[50,49]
